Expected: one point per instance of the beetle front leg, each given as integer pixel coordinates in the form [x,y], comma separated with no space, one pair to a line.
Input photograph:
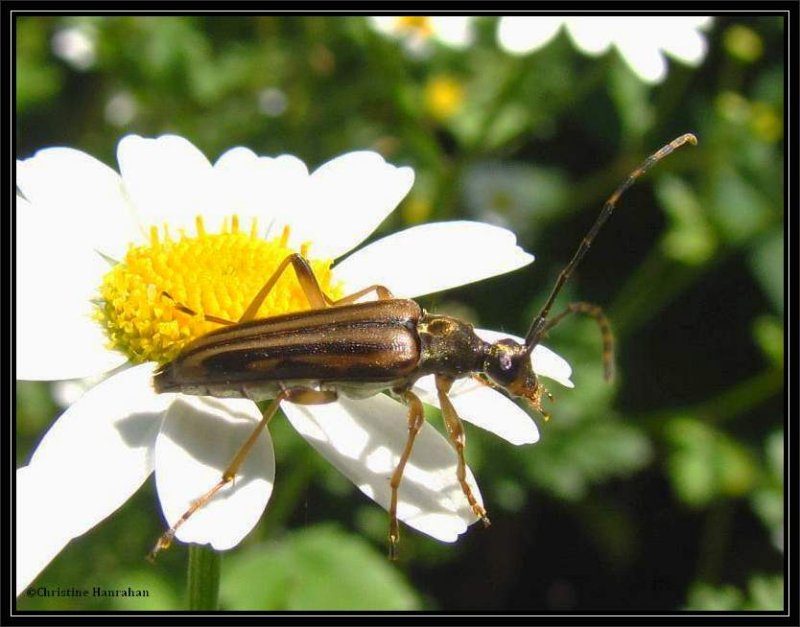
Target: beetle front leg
[311,288]
[306,278]
[455,431]
[381,292]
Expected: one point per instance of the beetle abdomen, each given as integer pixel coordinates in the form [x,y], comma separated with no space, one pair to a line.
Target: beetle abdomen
[375,341]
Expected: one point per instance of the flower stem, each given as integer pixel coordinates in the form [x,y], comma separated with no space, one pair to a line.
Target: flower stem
[203,578]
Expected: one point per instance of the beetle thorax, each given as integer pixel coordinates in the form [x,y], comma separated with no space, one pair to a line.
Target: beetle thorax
[449,346]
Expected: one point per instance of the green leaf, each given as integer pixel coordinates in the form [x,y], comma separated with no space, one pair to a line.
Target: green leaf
[38,79]
[740,210]
[767,499]
[690,238]
[768,332]
[705,464]
[35,407]
[764,593]
[632,99]
[318,568]
[705,597]
[767,265]
[567,463]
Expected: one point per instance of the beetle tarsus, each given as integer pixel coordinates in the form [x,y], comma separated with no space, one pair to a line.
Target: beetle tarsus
[164,542]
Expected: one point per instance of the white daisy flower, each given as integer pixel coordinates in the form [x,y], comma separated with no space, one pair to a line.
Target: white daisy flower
[642,41]
[211,235]
[417,32]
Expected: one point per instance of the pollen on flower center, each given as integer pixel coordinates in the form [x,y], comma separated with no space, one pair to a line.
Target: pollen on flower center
[211,274]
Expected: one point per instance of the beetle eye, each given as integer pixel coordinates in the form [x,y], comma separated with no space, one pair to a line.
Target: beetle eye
[505,362]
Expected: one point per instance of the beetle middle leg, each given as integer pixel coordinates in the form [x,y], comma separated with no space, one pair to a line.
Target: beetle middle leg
[187,310]
[455,431]
[301,396]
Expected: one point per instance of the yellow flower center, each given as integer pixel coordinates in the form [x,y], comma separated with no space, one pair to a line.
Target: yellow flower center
[215,274]
[444,96]
[414,25]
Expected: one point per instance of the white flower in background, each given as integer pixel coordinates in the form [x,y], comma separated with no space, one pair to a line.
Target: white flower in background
[121,108]
[95,250]
[76,45]
[642,41]
[418,31]
[508,193]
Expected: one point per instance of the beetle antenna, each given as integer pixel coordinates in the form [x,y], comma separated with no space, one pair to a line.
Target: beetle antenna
[539,324]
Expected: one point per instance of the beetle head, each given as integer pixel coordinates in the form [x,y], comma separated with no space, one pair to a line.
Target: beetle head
[509,366]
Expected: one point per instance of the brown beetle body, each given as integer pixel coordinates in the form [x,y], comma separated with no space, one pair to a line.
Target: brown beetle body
[361,349]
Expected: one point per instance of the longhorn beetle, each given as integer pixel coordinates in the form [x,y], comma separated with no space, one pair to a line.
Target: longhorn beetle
[361,349]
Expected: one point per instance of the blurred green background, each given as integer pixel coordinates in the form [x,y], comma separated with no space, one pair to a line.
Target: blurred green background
[662,491]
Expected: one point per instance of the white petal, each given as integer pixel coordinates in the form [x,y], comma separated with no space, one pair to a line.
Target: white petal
[384,23]
[78,199]
[455,30]
[681,40]
[546,363]
[270,190]
[56,280]
[591,35]
[73,206]
[347,199]
[643,57]
[524,34]
[96,455]
[433,257]
[69,391]
[168,180]
[198,440]
[364,439]
[484,407]
[39,540]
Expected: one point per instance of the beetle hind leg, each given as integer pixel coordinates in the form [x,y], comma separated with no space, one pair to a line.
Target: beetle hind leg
[416,417]
[301,396]
[228,476]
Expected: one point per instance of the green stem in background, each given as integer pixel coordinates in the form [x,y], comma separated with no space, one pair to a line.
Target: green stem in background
[715,543]
[742,396]
[736,400]
[203,578]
